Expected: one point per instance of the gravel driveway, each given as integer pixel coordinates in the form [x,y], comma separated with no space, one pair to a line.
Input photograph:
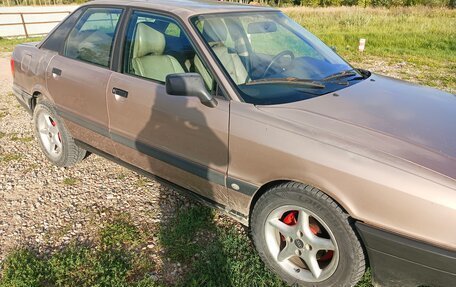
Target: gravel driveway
[45,207]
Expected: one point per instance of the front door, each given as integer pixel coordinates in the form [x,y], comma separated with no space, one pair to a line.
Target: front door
[176,138]
[77,79]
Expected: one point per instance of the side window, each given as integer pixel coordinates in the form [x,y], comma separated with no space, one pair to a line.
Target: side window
[282,35]
[215,37]
[173,30]
[156,46]
[55,41]
[92,38]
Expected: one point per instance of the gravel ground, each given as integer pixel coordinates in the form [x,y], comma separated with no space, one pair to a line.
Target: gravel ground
[45,207]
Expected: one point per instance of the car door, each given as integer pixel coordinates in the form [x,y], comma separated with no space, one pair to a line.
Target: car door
[78,76]
[176,138]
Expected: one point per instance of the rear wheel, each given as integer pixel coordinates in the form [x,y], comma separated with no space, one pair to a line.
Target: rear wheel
[55,140]
[306,238]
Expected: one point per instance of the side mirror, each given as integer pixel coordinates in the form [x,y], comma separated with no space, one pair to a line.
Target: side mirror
[189,85]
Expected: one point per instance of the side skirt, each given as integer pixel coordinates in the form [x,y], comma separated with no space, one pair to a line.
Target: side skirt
[188,193]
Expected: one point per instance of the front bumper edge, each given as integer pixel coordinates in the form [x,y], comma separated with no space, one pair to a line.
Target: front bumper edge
[400,261]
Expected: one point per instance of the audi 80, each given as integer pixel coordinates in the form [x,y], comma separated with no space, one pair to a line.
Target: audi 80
[334,168]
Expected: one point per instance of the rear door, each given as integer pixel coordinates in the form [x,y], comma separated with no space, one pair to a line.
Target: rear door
[78,76]
[176,138]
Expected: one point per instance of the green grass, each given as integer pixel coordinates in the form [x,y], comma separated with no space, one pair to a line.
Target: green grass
[16,138]
[216,255]
[226,258]
[424,37]
[223,256]
[389,32]
[115,259]
[141,182]
[70,181]
[121,176]
[7,45]
[178,237]
[10,157]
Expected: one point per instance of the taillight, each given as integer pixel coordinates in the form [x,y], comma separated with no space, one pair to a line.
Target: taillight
[12,66]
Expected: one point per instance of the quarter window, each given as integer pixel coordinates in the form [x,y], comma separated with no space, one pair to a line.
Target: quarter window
[92,38]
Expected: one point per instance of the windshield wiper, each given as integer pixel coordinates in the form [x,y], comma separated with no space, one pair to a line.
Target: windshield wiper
[292,81]
[339,75]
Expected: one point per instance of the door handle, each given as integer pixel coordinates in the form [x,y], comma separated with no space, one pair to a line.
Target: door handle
[119,93]
[56,72]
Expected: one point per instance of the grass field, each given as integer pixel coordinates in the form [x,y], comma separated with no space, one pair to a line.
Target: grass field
[7,45]
[418,44]
[422,39]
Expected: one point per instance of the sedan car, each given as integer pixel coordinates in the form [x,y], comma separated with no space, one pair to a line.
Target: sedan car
[334,168]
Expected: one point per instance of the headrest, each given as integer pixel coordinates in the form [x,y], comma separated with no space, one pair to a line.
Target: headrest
[158,25]
[214,31]
[148,41]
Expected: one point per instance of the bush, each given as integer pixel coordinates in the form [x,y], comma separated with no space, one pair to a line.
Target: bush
[350,2]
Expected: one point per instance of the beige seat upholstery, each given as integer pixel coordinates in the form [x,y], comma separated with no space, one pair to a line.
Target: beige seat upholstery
[199,67]
[148,58]
[215,33]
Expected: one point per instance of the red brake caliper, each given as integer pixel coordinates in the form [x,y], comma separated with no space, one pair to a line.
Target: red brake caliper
[290,219]
[316,230]
[54,124]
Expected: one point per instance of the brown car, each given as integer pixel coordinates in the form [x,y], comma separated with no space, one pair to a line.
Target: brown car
[333,168]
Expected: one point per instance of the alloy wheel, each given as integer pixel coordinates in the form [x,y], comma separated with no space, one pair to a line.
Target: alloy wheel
[301,243]
[49,135]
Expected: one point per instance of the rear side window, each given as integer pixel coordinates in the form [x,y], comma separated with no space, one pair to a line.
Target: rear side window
[93,35]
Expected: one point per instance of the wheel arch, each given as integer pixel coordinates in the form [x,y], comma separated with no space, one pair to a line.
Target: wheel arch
[261,190]
[268,185]
[39,93]
[35,97]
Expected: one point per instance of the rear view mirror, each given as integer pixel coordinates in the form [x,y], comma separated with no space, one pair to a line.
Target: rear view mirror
[189,85]
[262,27]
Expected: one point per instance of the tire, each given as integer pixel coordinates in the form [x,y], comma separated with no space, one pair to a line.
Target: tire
[55,140]
[312,226]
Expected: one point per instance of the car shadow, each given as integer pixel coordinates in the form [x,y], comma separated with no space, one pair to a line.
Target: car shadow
[178,126]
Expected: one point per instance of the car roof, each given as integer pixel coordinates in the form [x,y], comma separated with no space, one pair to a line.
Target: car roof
[186,8]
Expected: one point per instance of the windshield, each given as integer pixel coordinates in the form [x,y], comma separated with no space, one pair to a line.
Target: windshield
[272,59]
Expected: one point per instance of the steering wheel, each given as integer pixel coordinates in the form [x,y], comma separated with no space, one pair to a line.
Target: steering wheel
[276,58]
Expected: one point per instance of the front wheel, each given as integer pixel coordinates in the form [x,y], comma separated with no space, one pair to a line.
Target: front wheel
[55,140]
[306,238]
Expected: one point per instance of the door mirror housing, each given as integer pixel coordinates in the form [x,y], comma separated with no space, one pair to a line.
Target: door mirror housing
[189,85]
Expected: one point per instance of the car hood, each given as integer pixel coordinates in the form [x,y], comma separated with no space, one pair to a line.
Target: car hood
[409,121]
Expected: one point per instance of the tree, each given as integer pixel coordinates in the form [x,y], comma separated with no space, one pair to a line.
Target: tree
[452,4]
